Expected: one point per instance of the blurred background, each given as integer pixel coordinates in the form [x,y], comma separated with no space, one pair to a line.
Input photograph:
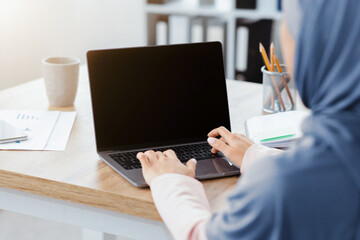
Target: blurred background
[33,30]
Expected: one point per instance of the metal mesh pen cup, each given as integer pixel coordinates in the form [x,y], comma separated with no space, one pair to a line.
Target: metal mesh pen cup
[279,93]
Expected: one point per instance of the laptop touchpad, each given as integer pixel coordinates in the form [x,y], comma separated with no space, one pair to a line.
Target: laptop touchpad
[213,168]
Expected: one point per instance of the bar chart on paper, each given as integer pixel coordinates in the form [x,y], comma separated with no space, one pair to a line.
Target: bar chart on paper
[25,116]
[46,130]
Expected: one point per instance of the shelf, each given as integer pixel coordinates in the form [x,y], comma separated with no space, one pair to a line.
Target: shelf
[185,9]
[221,11]
[257,14]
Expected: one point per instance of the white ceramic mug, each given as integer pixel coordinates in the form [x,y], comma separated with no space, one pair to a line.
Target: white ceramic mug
[61,75]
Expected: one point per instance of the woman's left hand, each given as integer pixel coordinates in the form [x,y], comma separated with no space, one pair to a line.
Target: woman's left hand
[157,163]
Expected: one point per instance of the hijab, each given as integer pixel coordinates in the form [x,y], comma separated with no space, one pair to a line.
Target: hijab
[327,76]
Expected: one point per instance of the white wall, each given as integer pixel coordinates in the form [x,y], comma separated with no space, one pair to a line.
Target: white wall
[32,30]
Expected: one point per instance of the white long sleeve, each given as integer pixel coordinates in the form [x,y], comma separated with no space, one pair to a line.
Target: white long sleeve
[182,204]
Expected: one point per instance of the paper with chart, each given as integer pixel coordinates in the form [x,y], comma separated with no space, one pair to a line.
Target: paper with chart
[46,130]
[61,132]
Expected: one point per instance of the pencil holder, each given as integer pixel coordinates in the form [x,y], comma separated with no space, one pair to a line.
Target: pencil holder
[279,93]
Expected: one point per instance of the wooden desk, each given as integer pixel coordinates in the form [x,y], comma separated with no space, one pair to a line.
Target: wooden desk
[76,179]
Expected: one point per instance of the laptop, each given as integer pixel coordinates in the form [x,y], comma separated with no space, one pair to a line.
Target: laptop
[159,98]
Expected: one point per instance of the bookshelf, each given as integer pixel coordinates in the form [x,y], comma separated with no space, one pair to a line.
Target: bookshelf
[222,9]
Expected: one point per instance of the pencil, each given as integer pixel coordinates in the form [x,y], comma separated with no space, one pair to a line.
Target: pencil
[278,64]
[266,60]
[283,80]
[265,57]
[272,65]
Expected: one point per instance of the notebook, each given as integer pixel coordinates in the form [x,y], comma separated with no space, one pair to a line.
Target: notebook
[278,130]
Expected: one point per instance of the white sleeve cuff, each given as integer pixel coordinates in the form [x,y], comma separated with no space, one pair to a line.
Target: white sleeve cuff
[255,152]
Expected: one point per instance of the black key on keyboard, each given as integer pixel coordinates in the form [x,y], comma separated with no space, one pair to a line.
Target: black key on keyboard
[199,151]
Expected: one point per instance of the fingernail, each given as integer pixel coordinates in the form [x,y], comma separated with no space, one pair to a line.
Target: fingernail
[193,160]
[211,140]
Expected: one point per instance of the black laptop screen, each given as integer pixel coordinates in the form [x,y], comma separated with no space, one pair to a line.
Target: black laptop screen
[154,96]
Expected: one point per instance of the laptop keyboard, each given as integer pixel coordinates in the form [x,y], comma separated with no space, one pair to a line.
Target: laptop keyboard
[199,151]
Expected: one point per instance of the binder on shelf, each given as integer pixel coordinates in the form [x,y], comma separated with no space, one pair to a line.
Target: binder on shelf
[246,4]
[216,30]
[179,29]
[267,5]
[242,45]
[197,30]
[161,33]
[258,31]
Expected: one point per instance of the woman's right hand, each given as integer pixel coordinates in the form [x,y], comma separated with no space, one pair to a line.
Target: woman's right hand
[232,145]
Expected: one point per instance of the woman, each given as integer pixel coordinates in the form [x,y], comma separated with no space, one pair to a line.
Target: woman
[311,191]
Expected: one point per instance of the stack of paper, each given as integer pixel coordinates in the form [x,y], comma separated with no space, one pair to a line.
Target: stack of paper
[276,130]
[46,130]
